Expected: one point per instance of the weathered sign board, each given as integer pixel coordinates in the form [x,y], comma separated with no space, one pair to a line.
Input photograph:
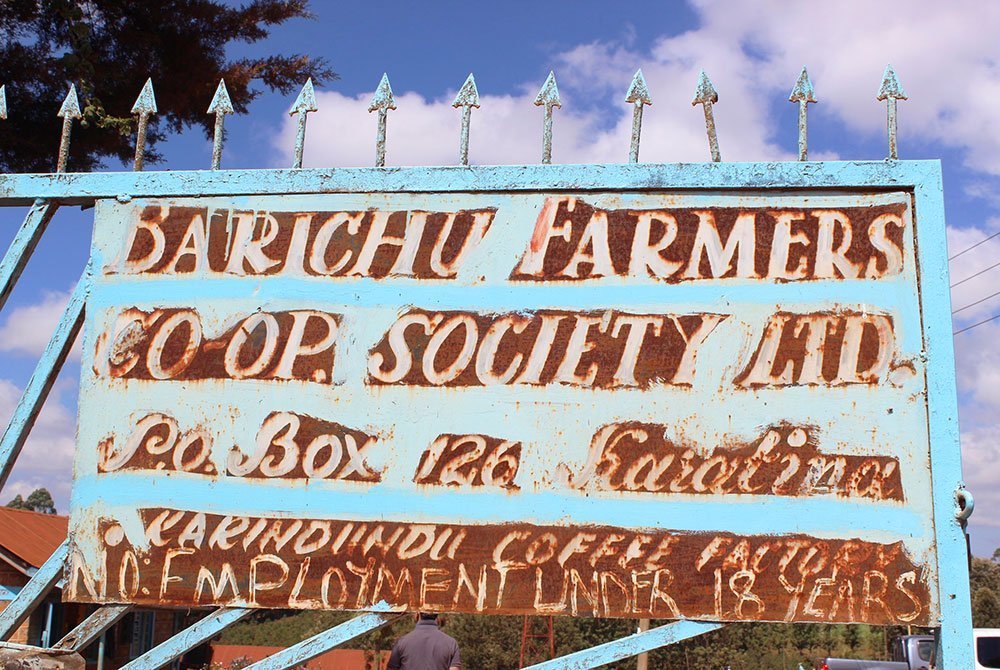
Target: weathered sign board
[611,402]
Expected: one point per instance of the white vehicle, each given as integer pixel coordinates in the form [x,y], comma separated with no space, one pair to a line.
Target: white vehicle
[987,647]
[915,652]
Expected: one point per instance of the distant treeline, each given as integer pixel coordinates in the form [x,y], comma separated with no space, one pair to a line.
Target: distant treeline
[494,642]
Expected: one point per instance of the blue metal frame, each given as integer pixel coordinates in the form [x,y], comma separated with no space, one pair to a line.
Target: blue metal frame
[921,178]
[85,188]
[33,592]
[308,649]
[647,640]
[189,638]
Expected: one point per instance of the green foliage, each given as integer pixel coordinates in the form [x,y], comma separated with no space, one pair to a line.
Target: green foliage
[278,628]
[986,609]
[108,48]
[494,642]
[39,500]
[235,664]
[984,583]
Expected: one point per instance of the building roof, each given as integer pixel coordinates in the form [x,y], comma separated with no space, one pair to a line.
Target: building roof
[31,536]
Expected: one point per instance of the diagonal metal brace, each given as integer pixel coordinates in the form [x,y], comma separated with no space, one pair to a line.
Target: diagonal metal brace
[187,639]
[321,643]
[23,245]
[33,592]
[609,652]
[92,627]
[38,387]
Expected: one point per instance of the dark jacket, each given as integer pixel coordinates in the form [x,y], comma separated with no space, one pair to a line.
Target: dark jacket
[425,648]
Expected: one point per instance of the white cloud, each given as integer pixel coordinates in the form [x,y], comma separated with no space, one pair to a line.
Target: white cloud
[981,461]
[506,130]
[944,53]
[28,328]
[593,125]
[966,268]
[47,457]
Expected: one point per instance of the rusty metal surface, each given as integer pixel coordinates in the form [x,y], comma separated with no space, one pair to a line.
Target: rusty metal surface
[144,107]
[303,105]
[190,559]
[637,96]
[91,628]
[548,97]
[382,101]
[69,112]
[221,105]
[18,657]
[802,94]
[891,91]
[466,98]
[614,403]
[706,96]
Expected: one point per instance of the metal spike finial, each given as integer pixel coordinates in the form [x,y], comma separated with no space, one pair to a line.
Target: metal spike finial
[3,103]
[306,99]
[70,108]
[802,93]
[382,102]
[468,95]
[705,92]
[890,87]
[146,102]
[891,91]
[221,105]
[467,98]
[304,103]
[637,95]
[69,111]
[706,96]
[144,107]
[548,96]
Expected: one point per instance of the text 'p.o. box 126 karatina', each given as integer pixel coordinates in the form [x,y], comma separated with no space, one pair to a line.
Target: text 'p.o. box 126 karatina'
[604,403]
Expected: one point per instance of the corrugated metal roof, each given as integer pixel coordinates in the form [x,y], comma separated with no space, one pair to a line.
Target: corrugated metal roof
[31,536]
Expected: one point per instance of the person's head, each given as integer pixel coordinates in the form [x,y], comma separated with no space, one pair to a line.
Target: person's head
[428,616]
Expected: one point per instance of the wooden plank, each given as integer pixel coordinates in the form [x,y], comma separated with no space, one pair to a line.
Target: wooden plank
[609,652]
[91,628]
[23,244]
[321,643]
[187,639]
[33,592]
[41,380]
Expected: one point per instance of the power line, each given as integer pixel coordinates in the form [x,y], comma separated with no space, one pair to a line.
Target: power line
[992,318]
[973,276]
[973,304]
[983,241]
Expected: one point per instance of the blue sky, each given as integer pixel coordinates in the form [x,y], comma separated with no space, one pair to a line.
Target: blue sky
[945,55]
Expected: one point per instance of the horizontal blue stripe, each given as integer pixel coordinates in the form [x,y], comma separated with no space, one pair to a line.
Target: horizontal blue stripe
[507,296]
[749,515]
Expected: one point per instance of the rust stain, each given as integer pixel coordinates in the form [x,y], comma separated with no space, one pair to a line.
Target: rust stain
[157,442]
[373,243]
[784,460]
[572,241]
[296,446]
[470,460]
[172,344]
[593,349]
[830,348]
[198,559]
